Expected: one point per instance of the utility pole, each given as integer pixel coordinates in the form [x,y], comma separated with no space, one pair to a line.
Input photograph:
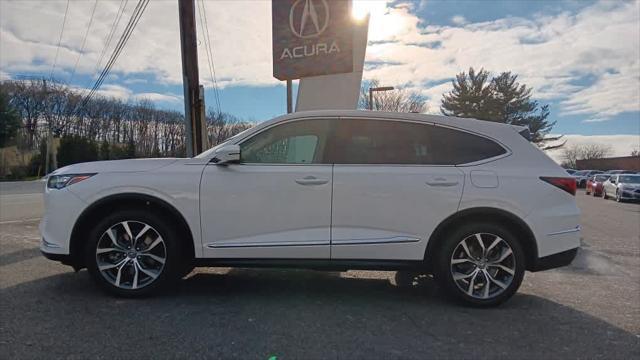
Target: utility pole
[190,77]
[289,96]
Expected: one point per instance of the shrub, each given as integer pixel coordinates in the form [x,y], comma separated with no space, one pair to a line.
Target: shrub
[75,149]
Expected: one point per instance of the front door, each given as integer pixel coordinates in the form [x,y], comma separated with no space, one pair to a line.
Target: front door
[277,202]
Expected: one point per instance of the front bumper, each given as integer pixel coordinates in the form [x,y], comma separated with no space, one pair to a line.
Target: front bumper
[554,261]
[630,194]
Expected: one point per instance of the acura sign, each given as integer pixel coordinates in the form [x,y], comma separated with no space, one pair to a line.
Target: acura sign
[311,37]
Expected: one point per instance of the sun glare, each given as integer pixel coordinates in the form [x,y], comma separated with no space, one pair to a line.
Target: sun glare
[361,8]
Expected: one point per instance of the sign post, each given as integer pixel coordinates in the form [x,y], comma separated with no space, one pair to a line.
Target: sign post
[311,38]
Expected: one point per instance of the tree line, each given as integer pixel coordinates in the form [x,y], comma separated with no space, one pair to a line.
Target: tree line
[114,127]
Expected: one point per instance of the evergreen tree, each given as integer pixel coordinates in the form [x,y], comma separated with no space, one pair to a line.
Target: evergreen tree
[501,99]
[9,121]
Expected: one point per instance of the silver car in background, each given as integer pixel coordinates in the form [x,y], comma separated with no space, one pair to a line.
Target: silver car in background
[622,186]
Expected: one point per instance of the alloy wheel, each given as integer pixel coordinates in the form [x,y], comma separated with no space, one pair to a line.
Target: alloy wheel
[483,265]
[131,255]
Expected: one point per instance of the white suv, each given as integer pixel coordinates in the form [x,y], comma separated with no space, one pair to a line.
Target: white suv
[471,202]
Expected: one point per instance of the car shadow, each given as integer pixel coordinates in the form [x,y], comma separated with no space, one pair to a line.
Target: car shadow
[258,313]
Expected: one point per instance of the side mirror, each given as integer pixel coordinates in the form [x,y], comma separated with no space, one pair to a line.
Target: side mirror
[226,154]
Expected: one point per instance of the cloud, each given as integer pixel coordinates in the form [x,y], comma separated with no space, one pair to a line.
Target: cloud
[126,94]
[621,145]
[459,20]
[550,53]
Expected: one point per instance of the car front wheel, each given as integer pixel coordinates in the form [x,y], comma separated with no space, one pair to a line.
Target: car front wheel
[133,253]
[480,264]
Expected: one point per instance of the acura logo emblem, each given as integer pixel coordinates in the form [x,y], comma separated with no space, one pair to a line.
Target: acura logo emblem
[309,18]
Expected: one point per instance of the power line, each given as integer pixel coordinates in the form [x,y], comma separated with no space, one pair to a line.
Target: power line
[84,41]
[114,26]
[208,46]
[64,21]
[124,38]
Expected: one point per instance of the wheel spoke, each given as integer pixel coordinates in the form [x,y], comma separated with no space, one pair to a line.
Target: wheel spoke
[460,261]
[487,285]
[154,257]
[494,243]
[125,225]
[503,268]
[153,244]
[134,284]
[111,266]
[495,281]
[504,255]
[119,276]
[472,282]
[142,232]
[113,238]
[466,249]
[107,250]
[460,276]
[147,271]
[479,238]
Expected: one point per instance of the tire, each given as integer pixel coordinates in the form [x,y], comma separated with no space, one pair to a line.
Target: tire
[618,198]
[587,192]
[157,264]
[451,249]
[604,194]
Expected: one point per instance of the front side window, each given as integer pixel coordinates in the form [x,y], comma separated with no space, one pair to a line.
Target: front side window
[298,142]
[361,141]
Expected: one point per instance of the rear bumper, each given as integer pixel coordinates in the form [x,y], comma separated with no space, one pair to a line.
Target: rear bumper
[554,261]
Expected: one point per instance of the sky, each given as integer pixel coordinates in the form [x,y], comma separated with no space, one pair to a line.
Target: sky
[580,57]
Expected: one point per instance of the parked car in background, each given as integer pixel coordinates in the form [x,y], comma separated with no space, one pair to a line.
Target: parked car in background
[594,184]
[615,172]
[583,175]
[570,171]
[622,186]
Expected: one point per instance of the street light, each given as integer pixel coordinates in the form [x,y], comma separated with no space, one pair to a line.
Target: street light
[380,88]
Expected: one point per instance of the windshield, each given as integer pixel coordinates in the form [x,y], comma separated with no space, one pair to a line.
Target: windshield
[580,173]
[602,177]
[208,153]
[630,179]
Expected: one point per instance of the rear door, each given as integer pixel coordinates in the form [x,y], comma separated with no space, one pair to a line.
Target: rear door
[390,189]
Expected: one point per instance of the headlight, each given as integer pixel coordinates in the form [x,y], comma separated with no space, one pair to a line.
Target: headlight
[61,181]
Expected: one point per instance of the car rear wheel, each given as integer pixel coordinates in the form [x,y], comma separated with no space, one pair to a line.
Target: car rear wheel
[618,198]
[480,264]
[133,253]
[604,194]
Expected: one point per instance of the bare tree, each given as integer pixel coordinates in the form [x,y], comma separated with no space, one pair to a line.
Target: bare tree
[401,100]
[584,152]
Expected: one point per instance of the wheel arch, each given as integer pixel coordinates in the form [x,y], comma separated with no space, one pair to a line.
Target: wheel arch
[129,201]
[498,216]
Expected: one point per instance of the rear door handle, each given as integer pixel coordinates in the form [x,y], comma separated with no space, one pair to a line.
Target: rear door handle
[311,180]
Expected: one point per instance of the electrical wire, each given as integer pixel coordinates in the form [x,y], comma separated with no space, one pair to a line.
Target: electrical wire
[84,41]
[114,26]
[124,38]
[64,21]
[208,46]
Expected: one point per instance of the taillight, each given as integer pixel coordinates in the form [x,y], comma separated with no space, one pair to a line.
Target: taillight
[567,184]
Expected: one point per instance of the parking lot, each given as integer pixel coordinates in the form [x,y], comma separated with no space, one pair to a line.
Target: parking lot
[588,310]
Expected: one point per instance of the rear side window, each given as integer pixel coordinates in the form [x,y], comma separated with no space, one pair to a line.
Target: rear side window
[361,141]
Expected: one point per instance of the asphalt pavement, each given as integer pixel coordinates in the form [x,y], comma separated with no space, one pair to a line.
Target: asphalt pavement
[590,309]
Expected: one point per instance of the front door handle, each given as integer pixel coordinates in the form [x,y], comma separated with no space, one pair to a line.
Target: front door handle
[311,180]
[443,182]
